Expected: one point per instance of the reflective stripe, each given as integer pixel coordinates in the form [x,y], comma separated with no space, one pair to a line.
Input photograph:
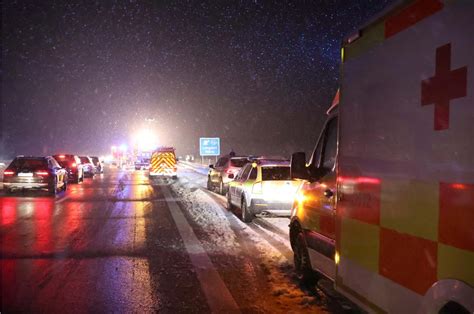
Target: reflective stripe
[411,15]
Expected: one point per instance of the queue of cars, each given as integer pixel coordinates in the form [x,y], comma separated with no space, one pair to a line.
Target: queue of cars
[50,173]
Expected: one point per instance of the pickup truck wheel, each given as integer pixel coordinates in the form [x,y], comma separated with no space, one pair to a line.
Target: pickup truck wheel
[246,214]
[302,261]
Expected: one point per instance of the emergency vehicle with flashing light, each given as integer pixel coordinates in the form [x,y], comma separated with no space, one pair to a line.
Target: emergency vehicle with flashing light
[163,162]
[386,205]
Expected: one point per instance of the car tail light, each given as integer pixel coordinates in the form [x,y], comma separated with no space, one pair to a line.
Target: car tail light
[42,173]
[74,165]
[61,156]
[8,173]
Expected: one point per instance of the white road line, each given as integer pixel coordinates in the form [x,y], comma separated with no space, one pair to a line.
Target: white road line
[218,296]
[62,200]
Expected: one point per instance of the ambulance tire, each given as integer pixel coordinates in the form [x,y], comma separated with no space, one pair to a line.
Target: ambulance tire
[302,261]
[452,307]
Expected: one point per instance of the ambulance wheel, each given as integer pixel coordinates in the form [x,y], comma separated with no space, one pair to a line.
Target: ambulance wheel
[302,261]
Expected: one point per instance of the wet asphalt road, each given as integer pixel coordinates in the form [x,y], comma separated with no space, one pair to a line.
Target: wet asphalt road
[120,243]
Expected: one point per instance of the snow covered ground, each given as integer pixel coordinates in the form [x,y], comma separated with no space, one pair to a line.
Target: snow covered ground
[265,240]
[275,226]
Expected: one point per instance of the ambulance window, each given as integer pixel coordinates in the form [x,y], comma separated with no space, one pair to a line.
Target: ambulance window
[317,155]
[330,146]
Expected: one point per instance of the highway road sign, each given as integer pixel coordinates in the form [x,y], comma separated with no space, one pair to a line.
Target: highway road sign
[209,146]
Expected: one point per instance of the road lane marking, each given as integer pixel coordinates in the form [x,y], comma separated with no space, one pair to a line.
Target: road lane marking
[62,199]
[218,296]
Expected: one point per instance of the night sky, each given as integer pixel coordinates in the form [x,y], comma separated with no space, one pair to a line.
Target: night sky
[81,77]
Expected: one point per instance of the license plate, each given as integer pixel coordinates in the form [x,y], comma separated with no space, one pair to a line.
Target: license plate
[29,174]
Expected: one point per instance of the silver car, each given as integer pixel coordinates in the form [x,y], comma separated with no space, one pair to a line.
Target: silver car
[263,186]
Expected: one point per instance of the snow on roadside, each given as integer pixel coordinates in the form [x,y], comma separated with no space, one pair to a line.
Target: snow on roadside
[281,273]
[213,220]
[206,213]
[202,169]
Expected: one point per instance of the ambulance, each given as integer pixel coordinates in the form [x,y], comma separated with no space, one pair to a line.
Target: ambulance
[163,162]
[385,209]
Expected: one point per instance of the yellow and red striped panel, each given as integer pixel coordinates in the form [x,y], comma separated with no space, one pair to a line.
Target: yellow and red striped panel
[412,232]
[163,162]
[391,25]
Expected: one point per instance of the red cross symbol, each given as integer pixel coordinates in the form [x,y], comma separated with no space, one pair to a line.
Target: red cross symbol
[445,85]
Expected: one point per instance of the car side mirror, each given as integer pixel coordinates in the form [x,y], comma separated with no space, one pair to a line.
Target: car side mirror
[230,176]
[298,167]
[211,166]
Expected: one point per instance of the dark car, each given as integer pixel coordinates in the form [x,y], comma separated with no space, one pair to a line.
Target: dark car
[35,173]
[224,171]
[97,164]
[73,166]
[87,166]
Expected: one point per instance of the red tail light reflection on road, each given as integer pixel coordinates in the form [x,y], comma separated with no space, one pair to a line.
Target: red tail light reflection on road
[8,210]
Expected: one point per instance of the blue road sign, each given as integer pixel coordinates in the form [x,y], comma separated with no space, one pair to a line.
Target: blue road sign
[209,146]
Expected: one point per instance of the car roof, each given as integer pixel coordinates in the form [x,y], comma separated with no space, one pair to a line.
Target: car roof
[65,155]
[280,163]
[31,157]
